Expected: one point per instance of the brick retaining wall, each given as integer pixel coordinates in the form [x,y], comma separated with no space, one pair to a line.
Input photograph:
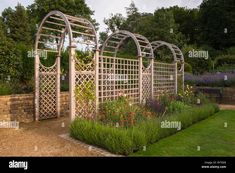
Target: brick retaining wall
[20,107]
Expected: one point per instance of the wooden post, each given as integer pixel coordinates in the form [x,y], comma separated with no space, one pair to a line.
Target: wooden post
[36,78]
[183,77]
[176,79]
[58,86]
[102,78]
[97,82]
[72,56]
[152,78]
[140,80]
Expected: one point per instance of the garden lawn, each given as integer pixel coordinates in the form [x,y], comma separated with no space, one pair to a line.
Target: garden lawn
[211,135]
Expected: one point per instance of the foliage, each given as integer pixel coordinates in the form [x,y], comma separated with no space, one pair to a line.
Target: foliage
[223,60]
[213,29]
[114,22]
[188,117]
[231,50]
[211,79]
[188,68]
[226,68]
[72,7]
[198,65]
[10,61]
[157,26]
[155,106]
[177,106]
[127,140]
[88,91]
[187,96]
[117,140]
[203,98]
[122,112]
[165,98]
[187,19]
[5,88]
[18,31]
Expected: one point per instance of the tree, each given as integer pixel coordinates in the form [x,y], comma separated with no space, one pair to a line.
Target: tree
[158,26]
[217,23]
[78,8]
[115,22]
[10,64]
[187,20]
[103,36]
[18,25]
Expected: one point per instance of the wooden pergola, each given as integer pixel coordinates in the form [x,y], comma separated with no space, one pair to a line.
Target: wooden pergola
[106,76]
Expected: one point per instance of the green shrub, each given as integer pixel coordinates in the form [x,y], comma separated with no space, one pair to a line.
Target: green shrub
[225,59]
[188,68]
[5,89]
[203,98]
[176,106]
[187,96]
[122,112]
[116,140]
[225,68]
[114,110]
[150,128]
[127,140]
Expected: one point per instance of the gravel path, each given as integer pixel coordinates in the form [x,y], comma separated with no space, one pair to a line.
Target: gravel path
[41,139]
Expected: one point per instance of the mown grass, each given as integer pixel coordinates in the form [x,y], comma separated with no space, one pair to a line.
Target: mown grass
[211,135]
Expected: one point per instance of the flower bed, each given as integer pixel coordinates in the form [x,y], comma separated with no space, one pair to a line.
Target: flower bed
[123,128]
[121,140]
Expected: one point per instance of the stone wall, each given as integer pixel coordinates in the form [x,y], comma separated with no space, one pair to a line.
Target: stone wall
[20,107]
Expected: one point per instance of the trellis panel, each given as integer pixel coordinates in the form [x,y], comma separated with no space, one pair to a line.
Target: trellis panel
[164,79]
[146,84]
[47,92]
[85,104]
[118,76]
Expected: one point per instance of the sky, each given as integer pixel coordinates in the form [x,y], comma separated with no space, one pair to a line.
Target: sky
[104,8]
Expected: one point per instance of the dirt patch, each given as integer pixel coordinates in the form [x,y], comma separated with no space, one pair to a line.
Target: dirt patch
[41,139]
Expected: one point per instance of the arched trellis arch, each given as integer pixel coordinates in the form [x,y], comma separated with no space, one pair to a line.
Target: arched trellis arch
[50,38]
[116,39]
[139,87]
[176,52]
[177,68]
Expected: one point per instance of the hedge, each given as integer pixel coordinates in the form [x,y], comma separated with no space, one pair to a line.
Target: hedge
[225,59]
[128,140]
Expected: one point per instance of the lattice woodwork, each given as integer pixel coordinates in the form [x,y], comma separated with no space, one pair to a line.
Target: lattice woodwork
[118,76]
[85,90]
[146,84]
[164,79]
[47,94]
